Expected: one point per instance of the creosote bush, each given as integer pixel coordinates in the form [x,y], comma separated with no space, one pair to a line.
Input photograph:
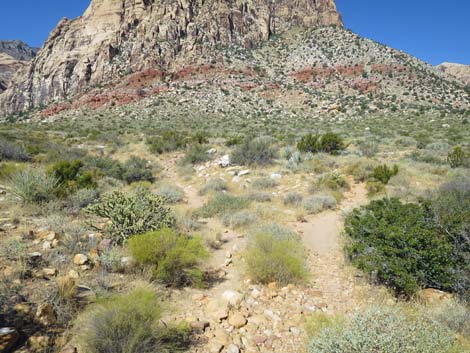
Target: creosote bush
[275,255]
[130,323]
[167,141]
[10,151]
[195,154]
[397,244]
[133,213]
[383,173]
[384,330]
[173,257]
[136,169]
[172,193]
[458,157]
[255,151]
[72,177]
[330,142]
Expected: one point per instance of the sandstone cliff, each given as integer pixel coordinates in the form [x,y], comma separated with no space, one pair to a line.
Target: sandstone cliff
[116,37]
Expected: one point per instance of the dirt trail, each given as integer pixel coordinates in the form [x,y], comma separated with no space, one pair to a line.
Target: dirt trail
[322,237]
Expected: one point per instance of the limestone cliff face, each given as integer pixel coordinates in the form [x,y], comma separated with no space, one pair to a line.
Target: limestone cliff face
[116,37]
[14,54]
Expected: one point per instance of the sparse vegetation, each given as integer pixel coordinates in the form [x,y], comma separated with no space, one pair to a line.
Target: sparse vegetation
[275,255]
[130,323]
[174,258]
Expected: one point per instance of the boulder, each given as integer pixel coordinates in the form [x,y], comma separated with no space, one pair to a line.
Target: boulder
[80,259]
[8,337]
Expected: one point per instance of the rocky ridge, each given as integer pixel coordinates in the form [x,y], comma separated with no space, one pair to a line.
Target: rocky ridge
[14,54]
[115,38]
[461,71]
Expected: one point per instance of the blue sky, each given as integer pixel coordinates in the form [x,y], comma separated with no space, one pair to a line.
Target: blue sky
[433,30]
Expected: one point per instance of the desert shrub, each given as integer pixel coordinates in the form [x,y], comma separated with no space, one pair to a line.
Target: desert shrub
[10,151]
[399,246]
[454,315]
[173,257]
[172,193]
[254,151]
[308,143]
[293,198]
[259,196]
[217,184]
[330,143]
[71,177]
[384,173]
[334,181]
[222,204]
[104,165]
[369,148]
[238,219]
[265,183]
[8,169]
[196,154]
[273,255]
[110,260]
[129,323]
[133,213]
[33,185]
[136,169]
[82,198]
[458,157]
[167,141]
[384,330]
[451,211]
[360,170]
[318,203]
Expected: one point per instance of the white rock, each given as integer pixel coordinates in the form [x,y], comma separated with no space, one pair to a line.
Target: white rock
[244,172]
[233,349]
[232,297]
[224,161]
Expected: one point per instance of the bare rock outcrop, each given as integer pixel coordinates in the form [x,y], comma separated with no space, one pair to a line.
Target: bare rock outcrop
[461,71]
[14,54]
[114,38]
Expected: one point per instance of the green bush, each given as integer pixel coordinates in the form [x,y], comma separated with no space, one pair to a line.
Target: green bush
[133,213]
[384,330]
[174,257]
[166,142]
[328,143]
[105,165]
[458,157]
[239,219]
[254,151]
[384,173]
[129,323]
[196,154]
[72,177]
[136,169]
[214,185]
[274,255]
[399,245]
[33,185]
[333,181]
[308,143]
[222,204]
[451,211]
[82,198]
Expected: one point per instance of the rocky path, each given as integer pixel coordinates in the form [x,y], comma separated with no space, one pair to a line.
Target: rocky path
[322,236]
[235,316]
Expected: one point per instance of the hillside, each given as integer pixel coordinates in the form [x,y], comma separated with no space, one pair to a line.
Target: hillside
[462,72]
[295,58]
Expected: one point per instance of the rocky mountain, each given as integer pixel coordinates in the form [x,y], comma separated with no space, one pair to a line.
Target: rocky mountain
[462,72]
[14,54]
[17,49]
[296,52]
